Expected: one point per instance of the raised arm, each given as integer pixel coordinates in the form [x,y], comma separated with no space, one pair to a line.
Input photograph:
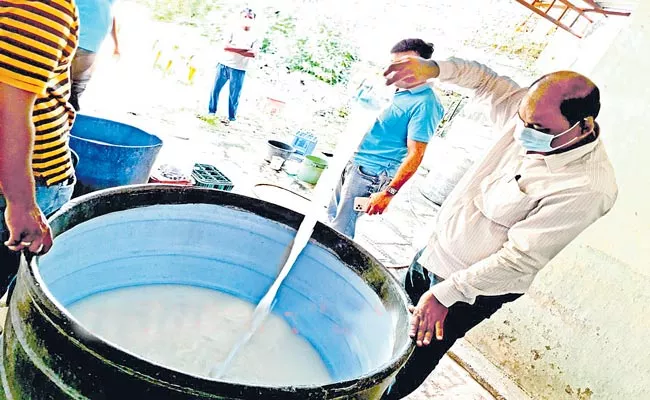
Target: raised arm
[500,92]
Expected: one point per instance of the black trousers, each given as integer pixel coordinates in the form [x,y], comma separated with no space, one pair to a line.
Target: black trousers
[461,318]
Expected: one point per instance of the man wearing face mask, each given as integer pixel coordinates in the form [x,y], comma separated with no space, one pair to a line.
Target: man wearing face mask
[544,181]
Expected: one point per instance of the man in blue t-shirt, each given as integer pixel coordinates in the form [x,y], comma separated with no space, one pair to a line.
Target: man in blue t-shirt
[95,21]
[393,148]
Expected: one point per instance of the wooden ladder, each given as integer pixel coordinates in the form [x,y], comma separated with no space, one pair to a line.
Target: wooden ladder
[567,15]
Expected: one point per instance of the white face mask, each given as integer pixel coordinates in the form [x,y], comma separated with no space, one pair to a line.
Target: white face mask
[534,140]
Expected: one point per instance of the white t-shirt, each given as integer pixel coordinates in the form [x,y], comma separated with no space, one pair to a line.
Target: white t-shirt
[241,39]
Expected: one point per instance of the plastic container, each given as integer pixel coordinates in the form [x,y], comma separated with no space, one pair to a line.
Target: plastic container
[293,163]
[111,153]
[210,239]
[277,162]
[279,149]
[304,143]
[208,176]
[311,169]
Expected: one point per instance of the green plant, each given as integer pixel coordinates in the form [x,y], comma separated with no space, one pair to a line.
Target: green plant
[284,26]
[281,29]
[172,10]
[266,46]
[325,55]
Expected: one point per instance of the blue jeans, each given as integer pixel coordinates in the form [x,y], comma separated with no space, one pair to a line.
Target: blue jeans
[236,78]
[49,199]
[354,182]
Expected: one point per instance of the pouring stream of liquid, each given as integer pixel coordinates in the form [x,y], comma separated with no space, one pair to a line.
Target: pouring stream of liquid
[363,114]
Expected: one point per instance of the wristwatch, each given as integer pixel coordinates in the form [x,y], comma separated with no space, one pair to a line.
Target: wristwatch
[391,191]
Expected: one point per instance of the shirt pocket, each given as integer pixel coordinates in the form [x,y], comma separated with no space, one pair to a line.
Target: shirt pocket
[502,201]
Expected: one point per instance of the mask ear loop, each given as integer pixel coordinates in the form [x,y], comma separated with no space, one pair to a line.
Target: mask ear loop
[583,126]
[576,139]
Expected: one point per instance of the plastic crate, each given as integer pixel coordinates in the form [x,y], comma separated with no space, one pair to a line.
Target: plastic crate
[206,175]
[304,143]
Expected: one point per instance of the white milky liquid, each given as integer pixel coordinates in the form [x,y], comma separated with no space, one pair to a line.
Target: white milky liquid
[189,329]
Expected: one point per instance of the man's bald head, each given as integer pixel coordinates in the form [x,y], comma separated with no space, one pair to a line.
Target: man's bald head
[575,95]
[559,100]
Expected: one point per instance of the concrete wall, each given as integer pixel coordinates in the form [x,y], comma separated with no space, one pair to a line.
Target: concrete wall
[583,330]
[566,51]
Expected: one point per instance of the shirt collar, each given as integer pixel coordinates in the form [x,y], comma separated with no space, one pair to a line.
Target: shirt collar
[416,89]
[555,162]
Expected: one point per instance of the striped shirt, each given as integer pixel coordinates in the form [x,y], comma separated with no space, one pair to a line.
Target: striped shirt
[512,212]
[37,42]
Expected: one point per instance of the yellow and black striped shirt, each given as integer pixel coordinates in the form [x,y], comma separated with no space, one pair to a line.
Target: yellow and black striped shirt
[37,42]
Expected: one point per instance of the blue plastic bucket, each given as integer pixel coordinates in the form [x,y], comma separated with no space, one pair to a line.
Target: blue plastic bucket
[111,153]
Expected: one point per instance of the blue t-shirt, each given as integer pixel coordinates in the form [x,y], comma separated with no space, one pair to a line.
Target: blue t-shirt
[414,114]
[95,21]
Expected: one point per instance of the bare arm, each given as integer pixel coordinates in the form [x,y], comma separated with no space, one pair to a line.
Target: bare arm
[242,52]
[379,201]
[26,224]
[16,142]
[410,164]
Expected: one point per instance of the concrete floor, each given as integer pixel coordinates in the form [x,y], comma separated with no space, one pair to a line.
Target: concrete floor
[450,381]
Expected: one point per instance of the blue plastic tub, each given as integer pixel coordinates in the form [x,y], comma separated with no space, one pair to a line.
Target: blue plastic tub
[111,153]
[342,301]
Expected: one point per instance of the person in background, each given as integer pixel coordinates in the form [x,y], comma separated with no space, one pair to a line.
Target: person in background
[37,40]
[96,19]
[392,150]
[241,47]
[544,181]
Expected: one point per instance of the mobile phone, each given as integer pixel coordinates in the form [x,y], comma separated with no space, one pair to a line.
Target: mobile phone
[361,203]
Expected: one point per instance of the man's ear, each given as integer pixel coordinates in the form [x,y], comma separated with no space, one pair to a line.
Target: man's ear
[588,125]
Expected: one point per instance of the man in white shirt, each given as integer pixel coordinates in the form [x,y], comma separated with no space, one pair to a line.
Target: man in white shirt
[240,48]
[544,181]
